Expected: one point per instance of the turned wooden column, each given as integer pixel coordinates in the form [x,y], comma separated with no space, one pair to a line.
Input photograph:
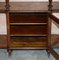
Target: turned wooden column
[49,25]
[7,6]
[50,6]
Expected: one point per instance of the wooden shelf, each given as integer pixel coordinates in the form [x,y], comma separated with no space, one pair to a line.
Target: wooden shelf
[28,35]
[28,23]
[27,48]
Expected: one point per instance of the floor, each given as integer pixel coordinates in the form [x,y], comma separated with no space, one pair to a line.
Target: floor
[26,55]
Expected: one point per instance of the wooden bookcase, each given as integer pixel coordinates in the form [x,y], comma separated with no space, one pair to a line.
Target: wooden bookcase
[28,30]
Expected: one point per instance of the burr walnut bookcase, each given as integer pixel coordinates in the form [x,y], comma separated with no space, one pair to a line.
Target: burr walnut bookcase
[28,29]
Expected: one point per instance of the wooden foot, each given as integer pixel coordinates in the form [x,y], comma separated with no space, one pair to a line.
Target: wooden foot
[9,52]
[48,53]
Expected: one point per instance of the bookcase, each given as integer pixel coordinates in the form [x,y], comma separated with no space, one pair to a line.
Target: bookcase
[27,30]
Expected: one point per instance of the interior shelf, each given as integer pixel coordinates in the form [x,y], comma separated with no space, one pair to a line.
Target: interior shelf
[28,35]
[28,23]
[28,48]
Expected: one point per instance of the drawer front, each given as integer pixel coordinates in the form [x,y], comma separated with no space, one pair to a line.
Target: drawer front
[28,30]
[28,18]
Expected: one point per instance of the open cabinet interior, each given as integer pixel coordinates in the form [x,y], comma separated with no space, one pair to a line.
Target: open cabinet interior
[28,29]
